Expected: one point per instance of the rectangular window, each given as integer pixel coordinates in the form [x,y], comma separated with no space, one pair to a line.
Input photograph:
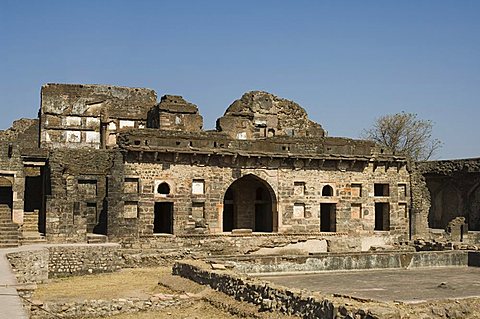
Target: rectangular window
[130,210]
[299,188]
[131,185]
[198,187]
[198,211]
[402,210]
[298,210]
[402,190]
[381,190]
[356,190]
[87,187]
[356,211]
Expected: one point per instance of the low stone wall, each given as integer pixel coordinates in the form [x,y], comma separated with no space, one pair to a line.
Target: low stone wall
[280,299]
[39,264]
[271,243]
[99,308]
[345,261]
[74,260]
[30,266]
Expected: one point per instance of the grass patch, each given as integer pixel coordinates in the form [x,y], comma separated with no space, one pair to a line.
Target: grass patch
[138,282]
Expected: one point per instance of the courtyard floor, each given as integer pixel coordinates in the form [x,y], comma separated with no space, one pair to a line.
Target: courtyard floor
[406,285]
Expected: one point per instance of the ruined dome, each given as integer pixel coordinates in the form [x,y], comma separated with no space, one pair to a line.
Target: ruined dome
[259,114]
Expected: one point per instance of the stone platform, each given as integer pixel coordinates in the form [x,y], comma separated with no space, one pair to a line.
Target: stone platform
[404,285]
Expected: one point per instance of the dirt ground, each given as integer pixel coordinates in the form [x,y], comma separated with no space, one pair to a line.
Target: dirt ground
[145,282]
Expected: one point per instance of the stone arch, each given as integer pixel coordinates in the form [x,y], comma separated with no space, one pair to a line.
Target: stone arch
[250,203]
[163,188]
[327,190]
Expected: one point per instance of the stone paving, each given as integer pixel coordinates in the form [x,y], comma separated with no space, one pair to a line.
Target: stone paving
[407,285]
[10,303]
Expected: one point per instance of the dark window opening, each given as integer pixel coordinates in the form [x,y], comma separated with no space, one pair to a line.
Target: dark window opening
[163,218]
[163,189]
[328,222]
[327,190]
[10,150]
[382,216]
[6,196]
[381,190]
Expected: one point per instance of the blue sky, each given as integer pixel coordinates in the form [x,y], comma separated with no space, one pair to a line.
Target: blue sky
[345,62]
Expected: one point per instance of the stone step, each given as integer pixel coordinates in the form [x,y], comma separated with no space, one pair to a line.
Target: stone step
[96,239]
[32,238]
[8,245]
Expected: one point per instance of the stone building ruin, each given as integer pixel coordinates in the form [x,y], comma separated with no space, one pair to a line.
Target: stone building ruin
[114,163]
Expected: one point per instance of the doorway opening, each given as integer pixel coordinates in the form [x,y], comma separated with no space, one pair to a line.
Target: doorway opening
[382,216]
[6,193]
[249,203]
[163,218]
[328,218]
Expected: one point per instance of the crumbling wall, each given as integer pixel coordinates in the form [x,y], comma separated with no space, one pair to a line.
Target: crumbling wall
[78,116]
[15,142]
[260,114]
[453,191]
[76,205]
[175,114]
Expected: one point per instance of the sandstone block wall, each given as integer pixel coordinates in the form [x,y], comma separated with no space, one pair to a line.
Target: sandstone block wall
[353,195]
[38,265]
[77,116]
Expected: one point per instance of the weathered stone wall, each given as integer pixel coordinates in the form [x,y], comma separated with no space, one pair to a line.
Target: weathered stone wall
[76,204]
[101,308]
[346,261]
[15,142]
[280,299]
[353,194]
[37,265]
[175,114]
[75,116]
[67,261]
[30,266]
[445,190]
[260,114]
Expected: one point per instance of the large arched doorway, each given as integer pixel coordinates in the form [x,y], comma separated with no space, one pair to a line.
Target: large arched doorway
[249,203]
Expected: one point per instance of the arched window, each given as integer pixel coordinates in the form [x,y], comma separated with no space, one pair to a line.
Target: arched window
[163,189]
[327,190]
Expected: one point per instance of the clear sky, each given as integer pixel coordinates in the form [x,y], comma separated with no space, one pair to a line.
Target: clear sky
[345,62]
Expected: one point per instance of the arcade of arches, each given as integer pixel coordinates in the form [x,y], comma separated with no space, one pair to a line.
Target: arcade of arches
[249,203]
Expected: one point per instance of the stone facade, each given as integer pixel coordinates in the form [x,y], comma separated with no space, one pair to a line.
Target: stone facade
[112,161]
[447,195]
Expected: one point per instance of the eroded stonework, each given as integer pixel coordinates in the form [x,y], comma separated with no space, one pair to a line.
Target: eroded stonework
[110,162]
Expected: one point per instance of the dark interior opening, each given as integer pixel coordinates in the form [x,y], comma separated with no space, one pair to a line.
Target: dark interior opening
[251,207]
[101,226]
[33,193]
[382,216]
[163,189]
[6,196]
[381,190]
[327,190]
[228,210]
[328,222]
[163,218]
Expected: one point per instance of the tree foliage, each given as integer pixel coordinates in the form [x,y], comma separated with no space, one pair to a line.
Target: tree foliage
[403,133]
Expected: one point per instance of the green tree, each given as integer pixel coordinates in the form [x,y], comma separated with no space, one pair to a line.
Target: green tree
[403,133]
